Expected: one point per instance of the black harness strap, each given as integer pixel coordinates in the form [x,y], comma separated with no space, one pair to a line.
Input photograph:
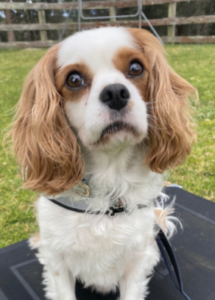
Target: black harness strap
[112,210]
[73,208]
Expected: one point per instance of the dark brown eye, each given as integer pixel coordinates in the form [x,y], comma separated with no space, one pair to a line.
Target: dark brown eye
[74,80]
[135,69]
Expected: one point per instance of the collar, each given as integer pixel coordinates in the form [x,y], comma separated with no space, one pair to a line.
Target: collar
[82,206]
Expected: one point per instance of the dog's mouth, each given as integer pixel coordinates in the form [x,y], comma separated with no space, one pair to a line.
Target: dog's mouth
[115,128]
[112,129]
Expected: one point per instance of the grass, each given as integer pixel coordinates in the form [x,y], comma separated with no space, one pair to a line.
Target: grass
[16,218]
[197,175]
[195,63]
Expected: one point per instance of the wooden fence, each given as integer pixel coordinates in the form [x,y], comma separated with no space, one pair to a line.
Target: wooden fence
[171,21]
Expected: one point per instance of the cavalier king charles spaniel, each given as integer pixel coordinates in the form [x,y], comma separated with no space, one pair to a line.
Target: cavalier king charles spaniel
[102,115]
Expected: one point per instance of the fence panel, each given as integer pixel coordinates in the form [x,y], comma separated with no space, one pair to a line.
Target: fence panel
[171,21]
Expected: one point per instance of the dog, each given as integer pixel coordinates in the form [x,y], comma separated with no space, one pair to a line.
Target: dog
[101,117]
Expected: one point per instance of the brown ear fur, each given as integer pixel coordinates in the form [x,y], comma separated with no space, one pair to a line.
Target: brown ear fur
[43,141]
[170,127]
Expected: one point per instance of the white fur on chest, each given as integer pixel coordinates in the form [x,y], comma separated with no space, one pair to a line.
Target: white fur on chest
[96,248]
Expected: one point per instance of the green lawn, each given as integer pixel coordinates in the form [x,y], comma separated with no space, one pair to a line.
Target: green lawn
[194,62]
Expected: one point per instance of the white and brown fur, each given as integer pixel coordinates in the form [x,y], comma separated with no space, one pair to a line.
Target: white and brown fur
[57,137]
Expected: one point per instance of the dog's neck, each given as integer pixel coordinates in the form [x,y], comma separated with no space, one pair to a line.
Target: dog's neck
[122,172]
[119,174]
[111,164]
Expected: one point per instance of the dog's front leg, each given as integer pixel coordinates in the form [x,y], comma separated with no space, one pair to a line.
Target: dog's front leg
[133,284]
[59,281]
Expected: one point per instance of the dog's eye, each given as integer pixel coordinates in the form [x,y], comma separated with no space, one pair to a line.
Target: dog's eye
[135,69]
[74,80]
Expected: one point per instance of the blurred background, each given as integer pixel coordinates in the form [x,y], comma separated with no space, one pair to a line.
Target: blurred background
[25,18]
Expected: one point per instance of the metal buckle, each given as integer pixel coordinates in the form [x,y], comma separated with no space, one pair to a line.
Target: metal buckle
[113,211]
[86,188]
[117,208]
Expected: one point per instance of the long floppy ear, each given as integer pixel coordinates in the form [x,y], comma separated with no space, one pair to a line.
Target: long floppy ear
[45,145]
[170,128]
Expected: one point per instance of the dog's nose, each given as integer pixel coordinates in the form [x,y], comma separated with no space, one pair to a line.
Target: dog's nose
[115,96]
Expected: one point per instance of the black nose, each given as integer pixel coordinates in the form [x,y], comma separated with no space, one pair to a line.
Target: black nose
[115,96]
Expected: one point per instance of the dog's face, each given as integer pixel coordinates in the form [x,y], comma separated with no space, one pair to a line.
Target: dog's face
[103,79]
[101,89]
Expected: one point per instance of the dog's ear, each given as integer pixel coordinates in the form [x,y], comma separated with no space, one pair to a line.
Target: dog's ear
[170,128]
[45,145]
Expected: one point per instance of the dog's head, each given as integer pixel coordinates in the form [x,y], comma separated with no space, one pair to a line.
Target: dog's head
[101,89]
